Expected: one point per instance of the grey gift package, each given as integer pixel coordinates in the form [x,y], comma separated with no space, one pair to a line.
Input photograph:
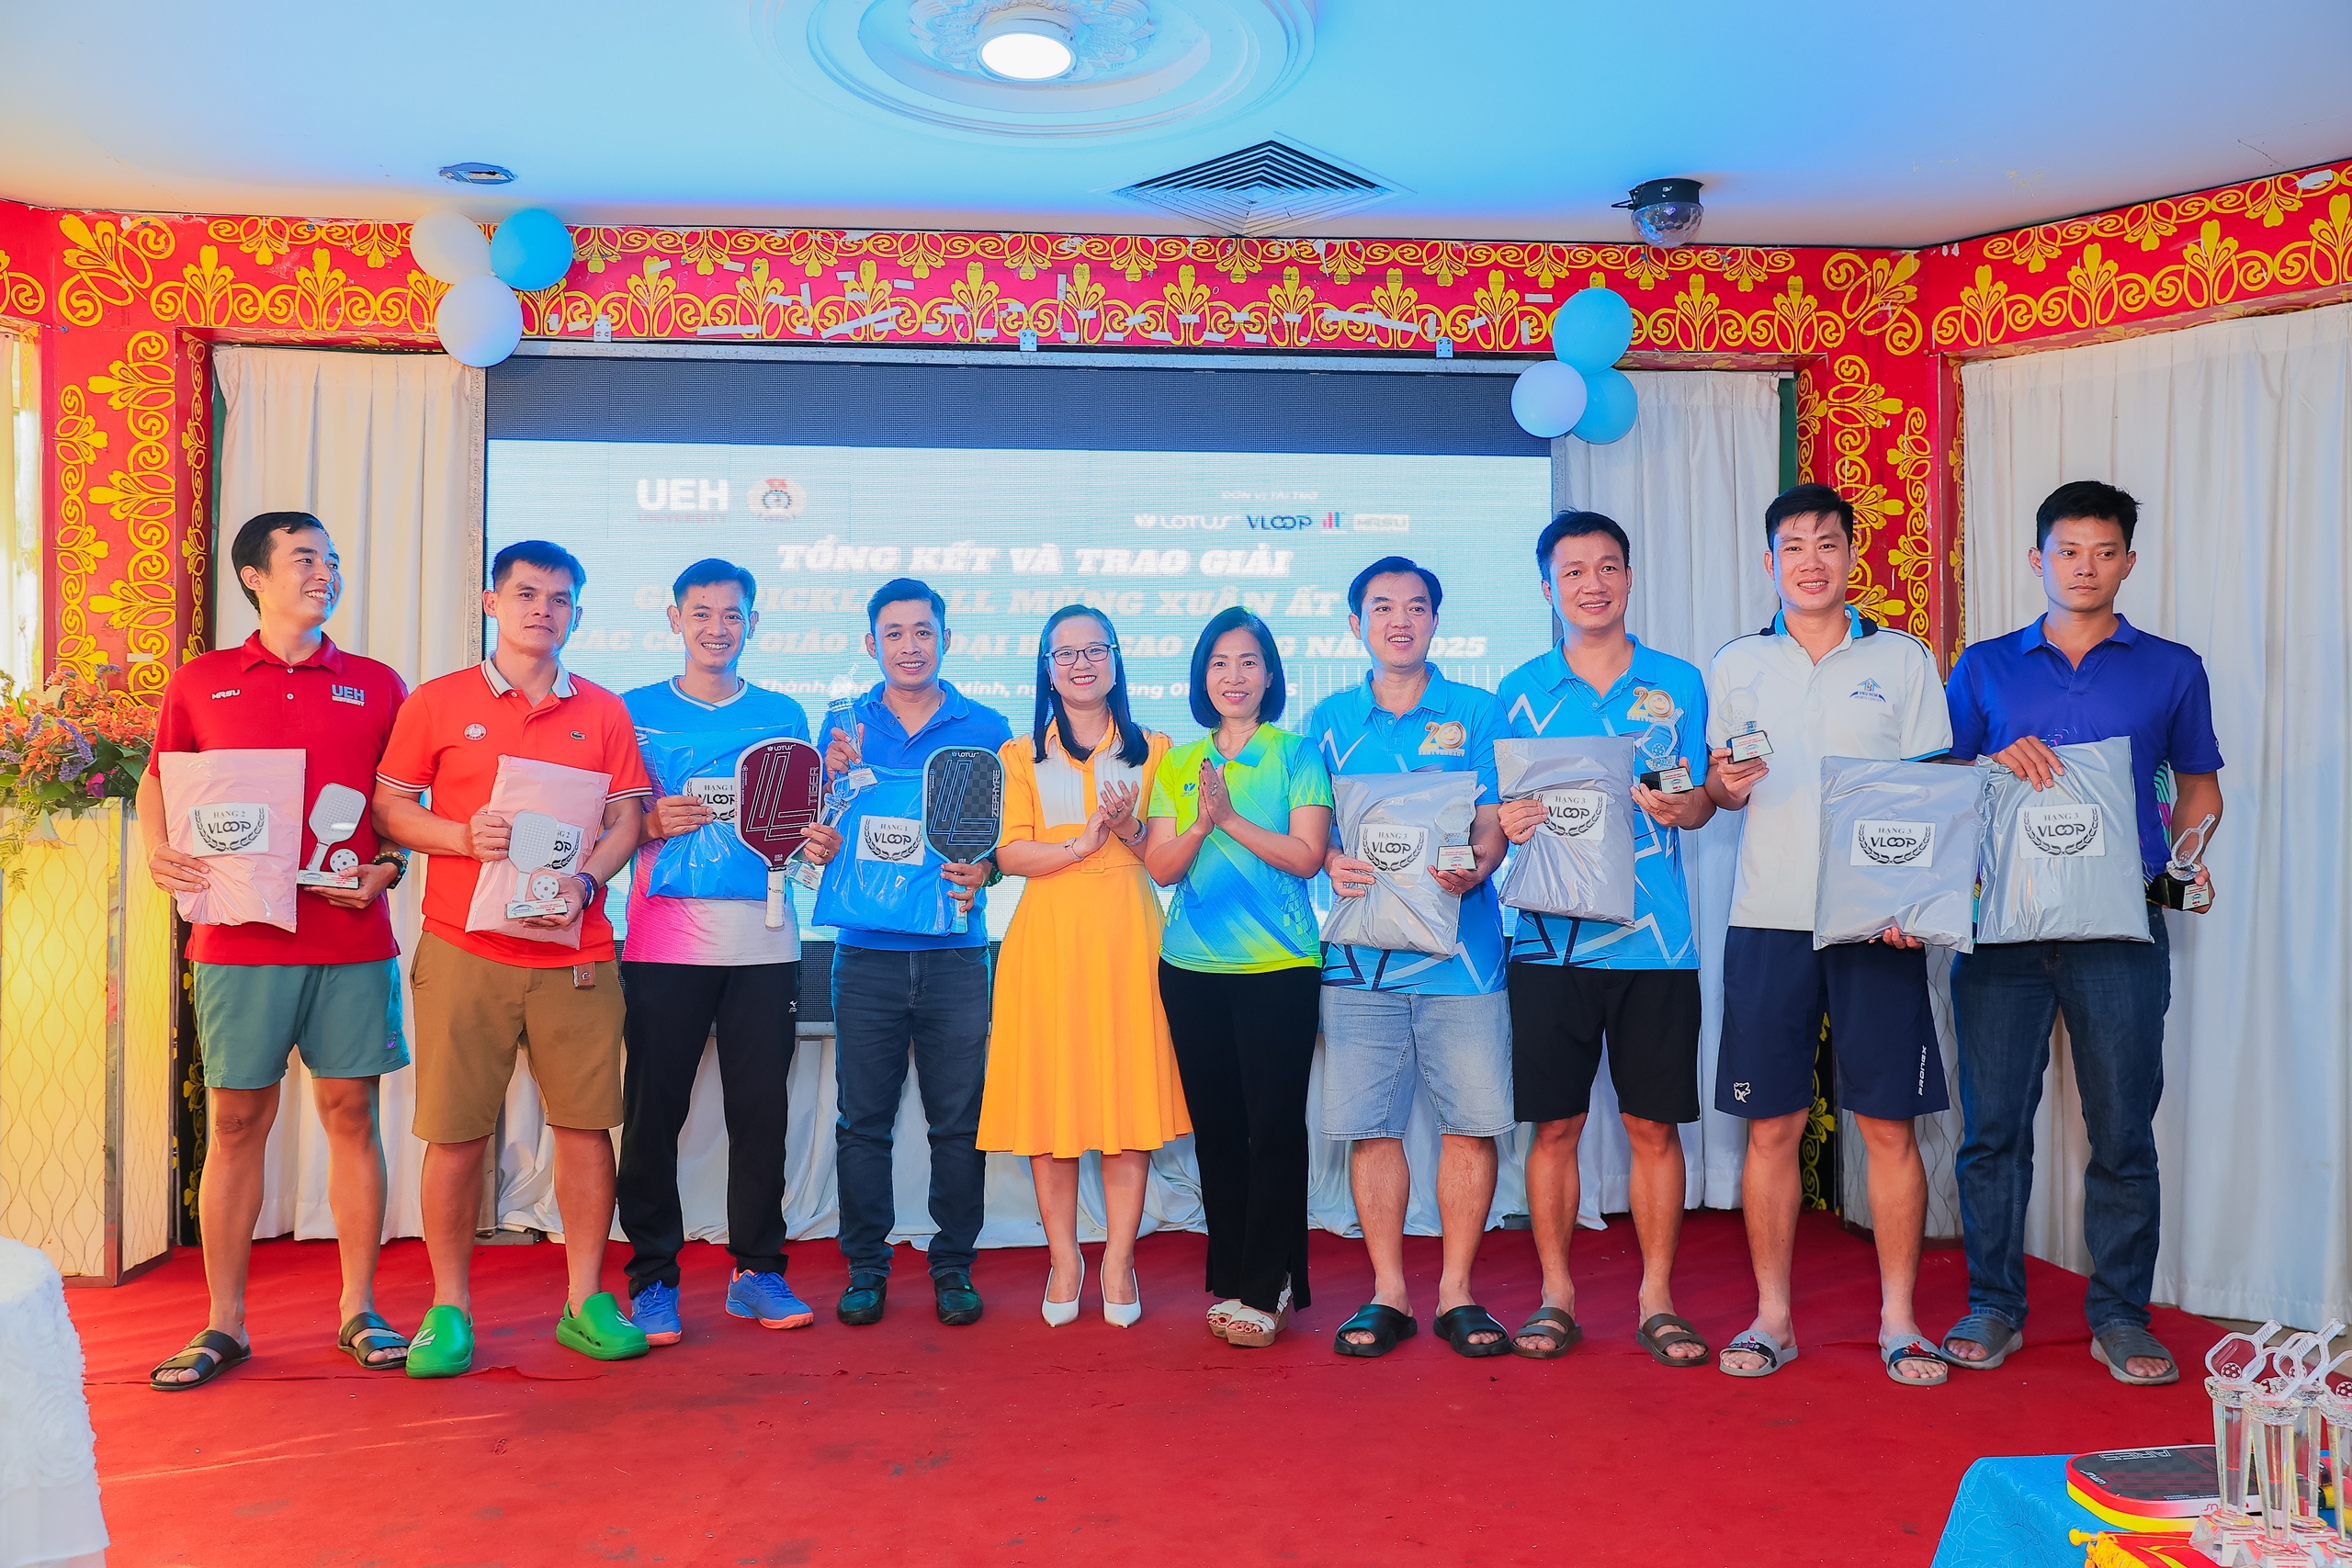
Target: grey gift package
[2062,864]
[1580,862]
[1899,844]
[1395,823]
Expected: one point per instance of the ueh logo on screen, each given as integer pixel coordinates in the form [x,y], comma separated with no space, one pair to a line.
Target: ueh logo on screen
[681,495]
[895,840]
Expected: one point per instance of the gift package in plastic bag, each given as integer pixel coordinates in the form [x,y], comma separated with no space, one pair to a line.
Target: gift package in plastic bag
[1580,862]
[2062,864]
[240,812]
[573,799]
[886,877]
[1395,823]
[712,862]
[1898,849]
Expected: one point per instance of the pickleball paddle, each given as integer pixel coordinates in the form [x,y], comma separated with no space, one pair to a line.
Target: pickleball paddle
[540,847]
[335,816]
[779,786]
[962,807]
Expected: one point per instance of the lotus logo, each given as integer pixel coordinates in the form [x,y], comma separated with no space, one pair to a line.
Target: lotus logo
[896,841]
[1574,813]
[1894,843]
[1392,850]
[231,828]
[2062,832]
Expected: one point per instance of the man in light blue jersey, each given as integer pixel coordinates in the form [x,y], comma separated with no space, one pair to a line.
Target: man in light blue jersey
[1394,1019]
[690,963]
[1578,986]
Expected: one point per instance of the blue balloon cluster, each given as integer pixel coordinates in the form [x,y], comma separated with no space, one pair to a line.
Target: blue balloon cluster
[1591,333]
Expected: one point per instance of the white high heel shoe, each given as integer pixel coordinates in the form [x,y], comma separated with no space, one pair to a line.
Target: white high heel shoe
[1060,1313]
[1123,1314]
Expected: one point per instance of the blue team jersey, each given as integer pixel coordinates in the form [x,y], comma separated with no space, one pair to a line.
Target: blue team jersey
[1451,729]
[1661,702]
[957,721]
[663,709]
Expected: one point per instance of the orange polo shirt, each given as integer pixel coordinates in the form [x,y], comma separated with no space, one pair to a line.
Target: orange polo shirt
[448,738]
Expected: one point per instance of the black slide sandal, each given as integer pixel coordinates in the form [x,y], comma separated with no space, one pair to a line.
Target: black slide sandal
[208,1355]
[367,1333]
[1456,1327]
[1552,1323]
[1384,1324]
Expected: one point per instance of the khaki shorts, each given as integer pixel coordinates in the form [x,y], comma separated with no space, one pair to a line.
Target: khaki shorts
[473,1013]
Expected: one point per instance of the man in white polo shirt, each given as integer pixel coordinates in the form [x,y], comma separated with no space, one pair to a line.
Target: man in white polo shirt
[1821,681]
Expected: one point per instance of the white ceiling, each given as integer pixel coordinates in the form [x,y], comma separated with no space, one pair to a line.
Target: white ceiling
[1834,122]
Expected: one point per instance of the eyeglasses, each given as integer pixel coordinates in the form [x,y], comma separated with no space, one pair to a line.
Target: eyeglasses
[1092,653]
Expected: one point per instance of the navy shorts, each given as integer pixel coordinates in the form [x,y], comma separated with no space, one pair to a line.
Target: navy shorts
[1776,989]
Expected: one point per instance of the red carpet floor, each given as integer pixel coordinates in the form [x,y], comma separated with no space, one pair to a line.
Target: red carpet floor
[1012,1443]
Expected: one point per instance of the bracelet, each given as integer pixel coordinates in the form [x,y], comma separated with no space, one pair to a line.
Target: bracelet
[397,860]
[1071,845]
[594,886]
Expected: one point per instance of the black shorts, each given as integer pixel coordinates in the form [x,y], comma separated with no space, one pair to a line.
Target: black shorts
[1562,1016]
[1881,1025]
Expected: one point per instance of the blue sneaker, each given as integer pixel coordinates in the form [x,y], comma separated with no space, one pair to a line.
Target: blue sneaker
[767,1298]
[654,1310]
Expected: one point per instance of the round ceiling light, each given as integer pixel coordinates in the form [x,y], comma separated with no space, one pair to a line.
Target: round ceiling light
[1028,43]
[478,174]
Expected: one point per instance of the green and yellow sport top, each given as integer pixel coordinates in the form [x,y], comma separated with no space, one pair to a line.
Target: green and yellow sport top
[1233,914]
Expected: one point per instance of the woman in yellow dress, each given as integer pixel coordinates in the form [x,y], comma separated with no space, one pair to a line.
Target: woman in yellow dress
[1079,1053]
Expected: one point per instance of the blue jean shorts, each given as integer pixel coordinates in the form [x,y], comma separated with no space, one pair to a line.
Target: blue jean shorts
[1378,1045]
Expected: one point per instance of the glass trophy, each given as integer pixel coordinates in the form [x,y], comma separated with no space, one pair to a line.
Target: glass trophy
[2175,886]
[1660,772]
[2274,1417]
[2226,1521]
[1454,851]
[846,789]
[2334,1410]
[1748,742]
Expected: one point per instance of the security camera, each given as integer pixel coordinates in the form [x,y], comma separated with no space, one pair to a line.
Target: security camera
[1665,212]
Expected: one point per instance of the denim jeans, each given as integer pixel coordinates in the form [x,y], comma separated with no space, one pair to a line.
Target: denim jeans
[934,1001]
[2114,996]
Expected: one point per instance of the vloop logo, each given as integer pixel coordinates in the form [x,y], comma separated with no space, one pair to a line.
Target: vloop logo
[1574,813]
[1894,843]
[1391,850]
[230,828]
[895,841]
[2063,832]
[717,795]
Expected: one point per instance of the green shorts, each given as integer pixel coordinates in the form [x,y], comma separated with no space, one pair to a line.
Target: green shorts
[346,1018]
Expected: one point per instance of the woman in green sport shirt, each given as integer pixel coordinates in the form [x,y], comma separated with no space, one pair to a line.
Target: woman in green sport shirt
[1239,819]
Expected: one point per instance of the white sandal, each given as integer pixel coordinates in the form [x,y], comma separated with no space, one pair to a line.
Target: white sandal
[1254,1330]
[1221,1315]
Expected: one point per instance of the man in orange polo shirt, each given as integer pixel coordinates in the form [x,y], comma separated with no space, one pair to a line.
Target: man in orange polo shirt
[479,995]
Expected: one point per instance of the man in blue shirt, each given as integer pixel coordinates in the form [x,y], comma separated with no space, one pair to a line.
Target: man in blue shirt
[2080,673]
[890,988]
[1577,985]
[690,963]
[1392,1020]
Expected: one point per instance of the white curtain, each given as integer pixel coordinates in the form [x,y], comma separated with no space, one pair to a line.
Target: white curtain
[1689,486]
[2236,439]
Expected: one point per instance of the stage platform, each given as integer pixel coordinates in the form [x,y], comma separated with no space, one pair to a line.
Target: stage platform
[1009,1442]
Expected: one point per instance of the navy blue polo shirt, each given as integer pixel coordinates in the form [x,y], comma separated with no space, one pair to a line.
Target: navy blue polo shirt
[957,721]
[2135,683]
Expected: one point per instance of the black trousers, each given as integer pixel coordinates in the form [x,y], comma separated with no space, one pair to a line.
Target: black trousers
[672,1007]
[1245,1044]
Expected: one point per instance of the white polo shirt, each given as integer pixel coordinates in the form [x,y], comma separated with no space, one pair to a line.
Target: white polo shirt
[1876,695]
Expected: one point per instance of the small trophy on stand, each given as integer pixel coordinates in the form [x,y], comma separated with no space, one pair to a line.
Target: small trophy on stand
[1748,742]
[2226,1532]
[1660,772]
[1454,851]
[846,789]
[540,847]
[2175,887]
[335,816]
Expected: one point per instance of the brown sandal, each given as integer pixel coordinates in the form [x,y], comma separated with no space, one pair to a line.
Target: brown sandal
[1677,1331]
[1552,1325]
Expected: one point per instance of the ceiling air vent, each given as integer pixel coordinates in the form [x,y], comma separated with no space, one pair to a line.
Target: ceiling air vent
[1271,189]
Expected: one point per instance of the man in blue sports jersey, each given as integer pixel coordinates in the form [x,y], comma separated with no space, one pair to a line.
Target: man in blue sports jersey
[689,963]
[890,988]
[1394,1019]
[1577,986]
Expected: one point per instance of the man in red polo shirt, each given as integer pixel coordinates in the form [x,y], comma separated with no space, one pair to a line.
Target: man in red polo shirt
[482,995]
[331,985]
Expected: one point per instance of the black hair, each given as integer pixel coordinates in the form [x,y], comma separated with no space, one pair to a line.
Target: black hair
[710,570]
[257,541]
[539,553]
[1807,501]
[1237,619]
[1134,744]
[1574,525]
[1390,565]
[2076,498]
[899,590]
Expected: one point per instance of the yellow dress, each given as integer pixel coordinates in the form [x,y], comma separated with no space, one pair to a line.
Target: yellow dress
[1079,1055]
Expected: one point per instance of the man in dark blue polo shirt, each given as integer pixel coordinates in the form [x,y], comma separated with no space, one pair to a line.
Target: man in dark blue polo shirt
[2080,673]
[890,988]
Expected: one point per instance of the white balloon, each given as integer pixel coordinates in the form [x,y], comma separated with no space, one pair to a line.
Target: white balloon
[450,246]
[479,321]
[1548,399]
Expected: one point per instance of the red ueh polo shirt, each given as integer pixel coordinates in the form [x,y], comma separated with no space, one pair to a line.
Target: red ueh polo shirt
[336,706]
[452,732]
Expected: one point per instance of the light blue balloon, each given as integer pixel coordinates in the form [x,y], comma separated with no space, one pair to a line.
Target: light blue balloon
[1610,407]
[1593,330]
[531,250]
[1548,399]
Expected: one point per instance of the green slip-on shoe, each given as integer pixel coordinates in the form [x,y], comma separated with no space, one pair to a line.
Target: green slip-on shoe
[600,1330]
[444,1345]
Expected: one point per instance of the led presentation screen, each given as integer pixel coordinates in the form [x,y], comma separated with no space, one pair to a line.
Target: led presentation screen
[1156,496]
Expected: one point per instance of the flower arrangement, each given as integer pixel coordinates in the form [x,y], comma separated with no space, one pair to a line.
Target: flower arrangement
[71,747]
